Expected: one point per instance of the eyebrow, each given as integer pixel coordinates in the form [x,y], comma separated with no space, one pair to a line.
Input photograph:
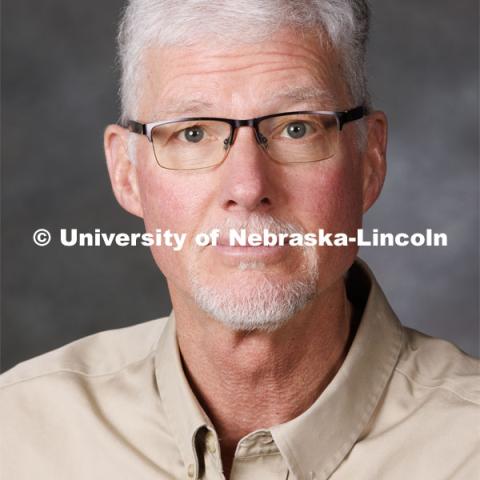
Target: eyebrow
[181,107]
[299,94]
[296,94]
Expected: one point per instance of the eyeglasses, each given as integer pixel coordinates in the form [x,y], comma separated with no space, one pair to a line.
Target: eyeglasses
[201,142]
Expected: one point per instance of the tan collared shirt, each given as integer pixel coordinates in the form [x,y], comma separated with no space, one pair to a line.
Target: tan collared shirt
[117,405]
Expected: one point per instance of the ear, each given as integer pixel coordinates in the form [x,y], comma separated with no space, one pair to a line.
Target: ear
[374,158]
[122,171]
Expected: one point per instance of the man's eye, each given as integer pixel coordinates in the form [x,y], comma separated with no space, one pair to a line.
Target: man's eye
[296,130]
[192,134]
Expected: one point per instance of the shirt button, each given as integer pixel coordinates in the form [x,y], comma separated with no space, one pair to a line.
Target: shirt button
[211,443]
[266,440]
[191,470]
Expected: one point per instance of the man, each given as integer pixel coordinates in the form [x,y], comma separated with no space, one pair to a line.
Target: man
[276,362]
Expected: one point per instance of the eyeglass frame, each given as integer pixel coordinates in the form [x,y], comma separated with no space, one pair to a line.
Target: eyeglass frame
[342,117]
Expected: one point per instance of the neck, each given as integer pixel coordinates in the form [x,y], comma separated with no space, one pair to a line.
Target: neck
[239,378]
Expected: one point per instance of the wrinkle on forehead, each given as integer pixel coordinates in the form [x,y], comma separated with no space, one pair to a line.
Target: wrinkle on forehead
[197,80]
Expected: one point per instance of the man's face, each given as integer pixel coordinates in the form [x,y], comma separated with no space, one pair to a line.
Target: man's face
[248,188]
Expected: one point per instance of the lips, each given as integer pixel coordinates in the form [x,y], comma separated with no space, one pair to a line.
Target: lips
[260,245]
[249,238]
[246,251]
[225,242]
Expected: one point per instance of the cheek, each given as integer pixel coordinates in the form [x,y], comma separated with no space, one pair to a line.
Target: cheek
[170,202]
[330,197]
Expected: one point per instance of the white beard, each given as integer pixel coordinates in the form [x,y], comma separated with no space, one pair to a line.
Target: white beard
[268,303]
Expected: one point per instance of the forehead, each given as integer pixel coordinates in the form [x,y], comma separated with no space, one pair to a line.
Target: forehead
[252,78]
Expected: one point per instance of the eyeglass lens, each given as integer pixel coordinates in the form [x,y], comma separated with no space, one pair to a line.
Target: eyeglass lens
[296,138]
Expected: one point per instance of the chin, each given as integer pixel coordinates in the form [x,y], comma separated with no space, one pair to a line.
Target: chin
[252,298]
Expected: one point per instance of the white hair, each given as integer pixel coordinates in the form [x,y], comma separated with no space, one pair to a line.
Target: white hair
[266,303]
[165,22]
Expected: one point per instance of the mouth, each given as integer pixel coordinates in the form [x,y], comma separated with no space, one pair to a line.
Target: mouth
[253,250]
[250,249]
[256,240]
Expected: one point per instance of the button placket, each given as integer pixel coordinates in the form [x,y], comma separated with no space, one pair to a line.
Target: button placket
[211,455]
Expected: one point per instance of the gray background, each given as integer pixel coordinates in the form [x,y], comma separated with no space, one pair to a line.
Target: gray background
[59,91]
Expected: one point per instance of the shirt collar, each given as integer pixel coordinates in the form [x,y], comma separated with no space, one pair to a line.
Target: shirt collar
[314,443]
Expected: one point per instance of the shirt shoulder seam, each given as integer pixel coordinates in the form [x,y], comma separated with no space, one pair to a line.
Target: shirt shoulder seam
[438,386]
[79,372]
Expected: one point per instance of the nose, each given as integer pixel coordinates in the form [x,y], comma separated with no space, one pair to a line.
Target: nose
[247,182]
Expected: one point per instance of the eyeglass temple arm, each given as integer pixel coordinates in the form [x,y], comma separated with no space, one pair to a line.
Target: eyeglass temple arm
[351,115]
[136,127]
